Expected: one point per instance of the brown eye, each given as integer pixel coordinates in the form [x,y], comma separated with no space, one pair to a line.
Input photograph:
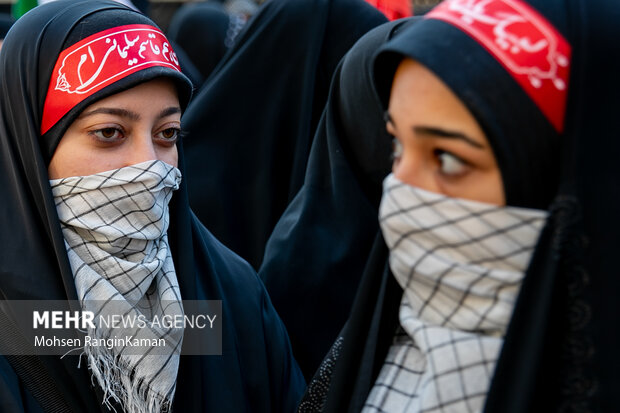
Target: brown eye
[108,134]
[169,134]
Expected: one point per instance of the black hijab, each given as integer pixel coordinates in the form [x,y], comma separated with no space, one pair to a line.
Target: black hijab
[318,249]
[528,161]
[250,128]
[560,351]
[33,252]
[255,371]
[201,30]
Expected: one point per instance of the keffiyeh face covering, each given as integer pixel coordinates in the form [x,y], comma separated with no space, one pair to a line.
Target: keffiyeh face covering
[460,264]
[115,224]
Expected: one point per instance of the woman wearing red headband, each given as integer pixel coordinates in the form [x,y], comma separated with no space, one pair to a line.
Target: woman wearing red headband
[95,211]
[499,218]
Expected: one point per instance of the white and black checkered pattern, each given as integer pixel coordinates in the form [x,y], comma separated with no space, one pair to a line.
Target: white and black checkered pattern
[114,224]
[460,264]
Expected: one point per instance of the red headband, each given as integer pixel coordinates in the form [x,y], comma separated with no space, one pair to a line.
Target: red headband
[100,60]
[535,54]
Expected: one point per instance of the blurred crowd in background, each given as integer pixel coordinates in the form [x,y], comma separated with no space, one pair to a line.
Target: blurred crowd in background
[289,155]
[163,11]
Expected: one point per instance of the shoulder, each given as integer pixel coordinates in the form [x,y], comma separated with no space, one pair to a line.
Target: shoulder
[224,275]
[220,262]
[255,341]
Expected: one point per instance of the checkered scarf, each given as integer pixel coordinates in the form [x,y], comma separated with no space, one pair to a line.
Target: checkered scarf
[460,264]
[115,224]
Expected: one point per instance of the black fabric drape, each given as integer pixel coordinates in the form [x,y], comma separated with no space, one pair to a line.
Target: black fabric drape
[317,252]
[560,352]
[6,21]
[256,371]
[34,264]
[200,29]
[250,128]
[374,316]
[187,65]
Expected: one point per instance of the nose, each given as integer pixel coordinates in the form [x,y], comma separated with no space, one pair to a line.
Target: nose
[142,149]
[414,170]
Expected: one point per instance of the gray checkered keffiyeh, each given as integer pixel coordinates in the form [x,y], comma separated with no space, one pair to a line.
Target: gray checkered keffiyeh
[460,264]
[114,224]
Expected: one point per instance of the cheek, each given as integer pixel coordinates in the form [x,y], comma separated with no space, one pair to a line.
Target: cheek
[73,159]
[477,186]
[490,187]
[54,169]
[170,156]
[495,189]
[68,161]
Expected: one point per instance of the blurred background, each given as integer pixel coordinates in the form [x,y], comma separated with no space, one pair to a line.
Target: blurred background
[161,11]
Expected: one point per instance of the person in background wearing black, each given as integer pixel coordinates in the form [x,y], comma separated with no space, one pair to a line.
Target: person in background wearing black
[6,21]
[250,127]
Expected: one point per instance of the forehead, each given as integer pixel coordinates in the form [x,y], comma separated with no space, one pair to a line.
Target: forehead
[418,94]
[153,94]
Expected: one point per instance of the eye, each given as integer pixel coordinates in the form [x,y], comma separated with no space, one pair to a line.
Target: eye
[107,134]
[449,164]
[397,149]
[170,135]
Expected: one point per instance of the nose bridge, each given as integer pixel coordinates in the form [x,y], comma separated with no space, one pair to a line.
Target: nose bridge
[413,169]
[142,147]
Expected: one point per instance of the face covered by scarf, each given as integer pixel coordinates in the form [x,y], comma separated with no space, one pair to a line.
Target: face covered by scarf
[254,365]
[461,263]
[115,224]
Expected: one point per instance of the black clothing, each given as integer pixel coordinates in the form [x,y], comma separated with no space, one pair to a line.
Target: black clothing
[201,29]
[317,252]
[6,21]
[187,66]
[560,351]
[256,371]
[250,128]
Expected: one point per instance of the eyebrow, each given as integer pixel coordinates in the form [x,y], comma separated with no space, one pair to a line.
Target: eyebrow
[443,133]
[124,113]
[439,132]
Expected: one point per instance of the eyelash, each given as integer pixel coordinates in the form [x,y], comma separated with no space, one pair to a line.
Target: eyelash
[397,150]
[96,134]
[177,135]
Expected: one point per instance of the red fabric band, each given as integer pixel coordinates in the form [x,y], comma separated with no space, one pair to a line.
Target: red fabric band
[535,54]
[100,60]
